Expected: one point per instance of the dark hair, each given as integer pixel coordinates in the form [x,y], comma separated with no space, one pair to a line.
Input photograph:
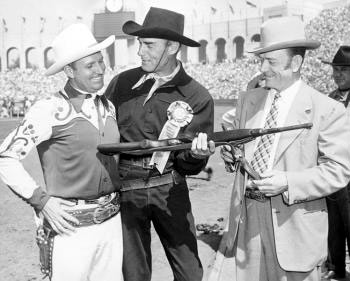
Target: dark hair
[297,51]
[72,65]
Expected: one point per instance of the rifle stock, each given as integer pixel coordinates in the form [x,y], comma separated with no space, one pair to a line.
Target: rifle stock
[233,137]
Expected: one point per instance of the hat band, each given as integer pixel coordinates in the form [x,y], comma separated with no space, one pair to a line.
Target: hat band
[271,43]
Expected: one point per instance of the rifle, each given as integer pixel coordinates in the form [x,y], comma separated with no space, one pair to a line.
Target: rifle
[184,141]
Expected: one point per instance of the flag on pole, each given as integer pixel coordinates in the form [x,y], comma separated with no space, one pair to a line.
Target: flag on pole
[251,4]
[23,19]
[231,9]
[213,10]
[42,20]
[4,25]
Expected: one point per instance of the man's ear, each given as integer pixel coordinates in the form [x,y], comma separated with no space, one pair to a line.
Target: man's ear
[296,63]
[173,47]
[68,70]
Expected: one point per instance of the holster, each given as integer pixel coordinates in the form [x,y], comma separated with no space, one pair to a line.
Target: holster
[45,240]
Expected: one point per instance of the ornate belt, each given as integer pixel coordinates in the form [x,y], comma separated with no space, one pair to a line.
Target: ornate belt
[97,213]
[255,195]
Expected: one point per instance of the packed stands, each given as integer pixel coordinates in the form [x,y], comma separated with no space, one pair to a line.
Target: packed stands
[20,88]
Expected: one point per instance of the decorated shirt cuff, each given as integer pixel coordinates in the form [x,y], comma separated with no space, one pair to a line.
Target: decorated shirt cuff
[38,199]
[191,158]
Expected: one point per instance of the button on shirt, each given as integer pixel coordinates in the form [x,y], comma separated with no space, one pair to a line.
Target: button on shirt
[66,129]
[284,103]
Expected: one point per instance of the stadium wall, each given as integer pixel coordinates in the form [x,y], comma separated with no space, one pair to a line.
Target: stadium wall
[26,34]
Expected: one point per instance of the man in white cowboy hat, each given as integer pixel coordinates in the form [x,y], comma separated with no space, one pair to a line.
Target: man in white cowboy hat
[338,202]
[79,233]
[278,222]
[160,100]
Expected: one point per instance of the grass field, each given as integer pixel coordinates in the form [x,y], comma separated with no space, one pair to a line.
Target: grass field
[19,253]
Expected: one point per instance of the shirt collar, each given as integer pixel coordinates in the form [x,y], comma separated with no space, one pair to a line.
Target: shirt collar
[291,90]
[152,75]
[172,75]
[342,95]
[288,94]
[77,97]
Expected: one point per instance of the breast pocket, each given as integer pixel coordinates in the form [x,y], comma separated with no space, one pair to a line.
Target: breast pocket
[125,113]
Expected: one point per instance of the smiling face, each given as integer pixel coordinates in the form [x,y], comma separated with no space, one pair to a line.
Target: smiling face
[277,70]
[341,76]
[156,55]
[87,73]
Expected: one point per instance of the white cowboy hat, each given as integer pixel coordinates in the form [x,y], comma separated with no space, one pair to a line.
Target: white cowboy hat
[73,43]
[282,33]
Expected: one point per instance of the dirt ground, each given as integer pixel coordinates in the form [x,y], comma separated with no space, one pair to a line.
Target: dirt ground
[19,253]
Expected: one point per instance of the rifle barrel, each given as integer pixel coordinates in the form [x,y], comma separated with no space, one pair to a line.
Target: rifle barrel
[239,134]
[235,137]
[259,132]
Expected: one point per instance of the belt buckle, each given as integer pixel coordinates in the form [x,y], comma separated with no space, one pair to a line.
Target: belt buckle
[104,200]
[257,196]
[98,216]
[105,212]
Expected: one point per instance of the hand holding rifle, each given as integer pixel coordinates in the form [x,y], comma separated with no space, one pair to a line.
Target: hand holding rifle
[270,183]
[201,148]
[198,144]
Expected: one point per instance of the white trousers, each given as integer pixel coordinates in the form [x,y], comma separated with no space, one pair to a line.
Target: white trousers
[92,253]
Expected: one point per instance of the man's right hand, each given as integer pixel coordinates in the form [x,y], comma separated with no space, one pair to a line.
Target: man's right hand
[226,154]
[57,217]
[230,157]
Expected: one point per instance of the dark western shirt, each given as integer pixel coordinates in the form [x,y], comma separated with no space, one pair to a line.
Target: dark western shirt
[138,121]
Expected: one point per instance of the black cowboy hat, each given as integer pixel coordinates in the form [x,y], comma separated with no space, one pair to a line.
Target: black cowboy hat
[160,23]
[342,57]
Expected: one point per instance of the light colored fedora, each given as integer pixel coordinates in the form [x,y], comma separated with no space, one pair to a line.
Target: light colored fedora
[282,33]
[73,43]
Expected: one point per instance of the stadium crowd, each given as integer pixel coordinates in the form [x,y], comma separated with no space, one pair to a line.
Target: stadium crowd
[20,88]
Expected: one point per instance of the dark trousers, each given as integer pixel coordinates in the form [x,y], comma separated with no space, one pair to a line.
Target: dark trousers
[339,230]
[169,208]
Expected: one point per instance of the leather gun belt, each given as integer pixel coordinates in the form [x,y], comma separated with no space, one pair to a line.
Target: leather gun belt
[147,183]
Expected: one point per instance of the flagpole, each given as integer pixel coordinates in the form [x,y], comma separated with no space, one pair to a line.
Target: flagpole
[60,23]
[40,33]
[228,22]
[246,20]
[2,45]
[22,64]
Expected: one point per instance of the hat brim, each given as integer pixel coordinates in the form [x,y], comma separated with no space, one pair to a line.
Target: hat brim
[336,63]
[307,44]
[58,65]
[133,28]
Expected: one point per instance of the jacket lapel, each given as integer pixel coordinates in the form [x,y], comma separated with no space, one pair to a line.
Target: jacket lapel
[300,112]
[255,109]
